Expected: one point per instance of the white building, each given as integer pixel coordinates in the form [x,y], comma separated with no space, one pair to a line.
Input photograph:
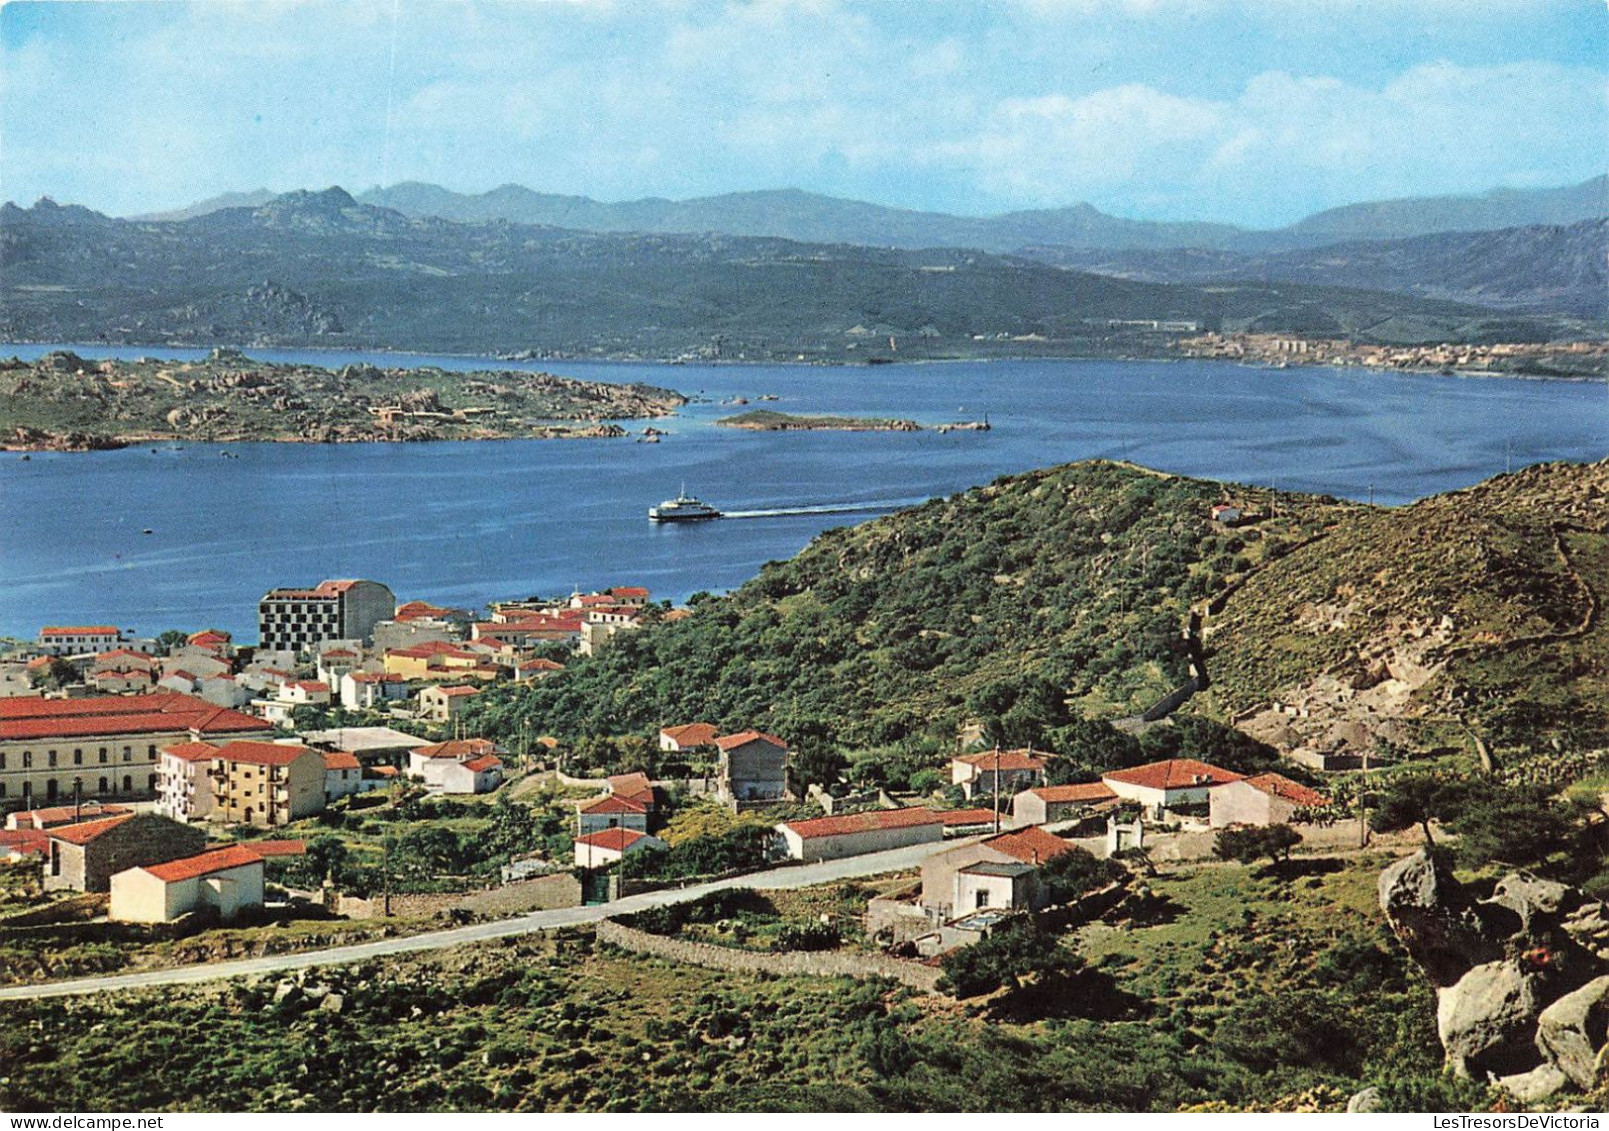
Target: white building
[343,775]
[600,849]
[855,834]
[298,620]
[1264,799]
[369,691]
[1172,784]
[227,879]
[78,640]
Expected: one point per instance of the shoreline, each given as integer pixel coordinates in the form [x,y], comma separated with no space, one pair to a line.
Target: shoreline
[794,363]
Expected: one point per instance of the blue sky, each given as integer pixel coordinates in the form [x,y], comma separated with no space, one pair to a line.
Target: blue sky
[1250,111]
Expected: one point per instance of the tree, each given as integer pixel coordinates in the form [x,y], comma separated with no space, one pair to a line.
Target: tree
[1412,800]
[326,855]
[1516,825]
[1088,746]
[171,639]
[1068,875]
[58,674]
[1251,844]
[1016,950]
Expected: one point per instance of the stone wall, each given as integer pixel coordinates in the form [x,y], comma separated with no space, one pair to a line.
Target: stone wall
[544,893]
[820,964]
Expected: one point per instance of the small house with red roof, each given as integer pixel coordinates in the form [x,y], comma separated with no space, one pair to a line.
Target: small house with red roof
[1173,784]
[611,812]
[368,691]
[227,880]
[997,771]
[343,775]
[753,768]
[85,857]
[1262,799]
[18,845]
[609,846]
[1049,804]
[855,834]
[687,737]
[996,873]
[443,704]
[463,765]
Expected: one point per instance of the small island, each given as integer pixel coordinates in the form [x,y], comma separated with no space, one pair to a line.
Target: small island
[63,402]
[768,420]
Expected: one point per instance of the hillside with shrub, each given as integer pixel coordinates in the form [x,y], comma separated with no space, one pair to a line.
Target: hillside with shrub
[1466,622]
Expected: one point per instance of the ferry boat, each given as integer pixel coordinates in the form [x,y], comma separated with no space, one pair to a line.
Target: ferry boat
[683,508]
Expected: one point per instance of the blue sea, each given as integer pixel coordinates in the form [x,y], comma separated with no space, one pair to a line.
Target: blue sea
[467,523]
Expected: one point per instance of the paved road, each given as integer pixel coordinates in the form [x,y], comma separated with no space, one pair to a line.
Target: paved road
[776,879]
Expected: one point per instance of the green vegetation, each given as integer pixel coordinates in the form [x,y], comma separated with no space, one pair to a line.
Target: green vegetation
[62,400]
[1251,991]
[1030,603]
[1253,843]
[1046,604]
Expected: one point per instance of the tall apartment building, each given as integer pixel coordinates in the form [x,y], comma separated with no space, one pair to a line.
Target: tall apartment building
[295,620]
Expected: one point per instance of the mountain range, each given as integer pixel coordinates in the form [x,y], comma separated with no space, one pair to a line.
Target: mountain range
[323,268]
[812,218]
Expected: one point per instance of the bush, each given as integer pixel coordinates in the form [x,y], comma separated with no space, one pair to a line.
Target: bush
[807,936]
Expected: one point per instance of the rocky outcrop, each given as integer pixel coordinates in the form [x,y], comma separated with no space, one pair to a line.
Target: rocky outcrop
[1522,976]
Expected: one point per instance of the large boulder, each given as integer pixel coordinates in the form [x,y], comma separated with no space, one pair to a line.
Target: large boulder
[1432,915]
[1534,902]
[1573,1030]
[1487,1020]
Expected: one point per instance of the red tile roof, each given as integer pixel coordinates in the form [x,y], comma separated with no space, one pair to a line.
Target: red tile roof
[154,713]
[482,764]
[322,589]
[458,692]
[615,839]
[955,817]
[267,848]
[79,630]
[628,591]
[311,686]
[871,821]
[1175,773]
[89,830]
[690,734]
[341,760]
[24,842]
[1086,791]
[1009,760]
[122,653]
[192,751]
[1277,785]
[459,749]
[611,804]
[732,741]
[1032,845]
[261,753]
[218,860]
[66,815]
[210,636]
[630,785]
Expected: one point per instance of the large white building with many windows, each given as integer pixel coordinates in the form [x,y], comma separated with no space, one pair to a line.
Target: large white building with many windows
[296,620]
[101,747]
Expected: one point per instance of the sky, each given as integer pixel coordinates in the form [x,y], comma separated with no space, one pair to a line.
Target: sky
[1254,112]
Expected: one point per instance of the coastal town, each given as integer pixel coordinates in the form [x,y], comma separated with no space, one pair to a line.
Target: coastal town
[162,776]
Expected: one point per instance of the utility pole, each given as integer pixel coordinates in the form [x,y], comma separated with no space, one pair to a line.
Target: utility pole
[385,871]
[997,789]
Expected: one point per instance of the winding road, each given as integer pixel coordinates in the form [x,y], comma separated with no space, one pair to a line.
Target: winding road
[775,879]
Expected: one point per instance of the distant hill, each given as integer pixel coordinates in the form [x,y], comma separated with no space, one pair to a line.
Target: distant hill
[1417,216]
[1061,593]
[213,204]
[1558,268]
[814,218]
[321,268]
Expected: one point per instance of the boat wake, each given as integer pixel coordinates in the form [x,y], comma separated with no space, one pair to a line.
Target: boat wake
[884,505]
